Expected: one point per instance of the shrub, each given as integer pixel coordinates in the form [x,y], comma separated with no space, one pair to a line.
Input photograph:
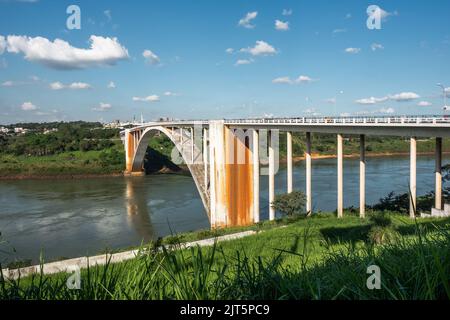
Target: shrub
[290,203]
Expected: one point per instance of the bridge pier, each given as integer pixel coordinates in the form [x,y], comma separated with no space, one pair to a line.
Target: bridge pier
[340,177]
[412,177]
[289,161]
[308,174]
[255,176]
[231,177]
[271,177]
[438,174]
[362,176]
[205,156]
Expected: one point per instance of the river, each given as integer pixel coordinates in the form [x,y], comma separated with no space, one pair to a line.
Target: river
[70,218]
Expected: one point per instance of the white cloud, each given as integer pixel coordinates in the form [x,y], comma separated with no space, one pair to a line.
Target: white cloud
[74,86]
[282,80]
[260,48]
[311,111]
[371,100]
[287,80]
[331,100]
[348,16]
[353,50]
[111,85]
[170,94]
[79,85]
[303,79]
[150,57]
[287,12]
[8,83]
[243,61]
[386,110]
[102,107]
[60,54]
[339,30]
[28,106]
[151,98]
[281,26]
[246,21]
[376,46]
[108,15]
[424,104]
[2,44]
[229,50]
[404,96]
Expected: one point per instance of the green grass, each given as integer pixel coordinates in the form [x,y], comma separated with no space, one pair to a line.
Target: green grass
[317,258]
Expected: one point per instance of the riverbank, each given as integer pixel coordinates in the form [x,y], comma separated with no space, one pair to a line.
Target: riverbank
[280,263]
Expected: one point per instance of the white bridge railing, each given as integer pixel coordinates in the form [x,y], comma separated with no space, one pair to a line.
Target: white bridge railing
[419,120]
[429,120]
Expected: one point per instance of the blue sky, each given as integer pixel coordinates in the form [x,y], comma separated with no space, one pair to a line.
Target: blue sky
[169,59]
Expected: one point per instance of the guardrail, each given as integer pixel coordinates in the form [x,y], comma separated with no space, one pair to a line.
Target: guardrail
[382,120]
[419,120]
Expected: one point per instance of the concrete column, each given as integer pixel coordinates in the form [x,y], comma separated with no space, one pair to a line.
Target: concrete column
[192,145]
[255,176]
[205,155]
[289,162]
[412,178]
[438,191]
[308,174]
[340,177]
[362,176]
[181,137]
[271,178]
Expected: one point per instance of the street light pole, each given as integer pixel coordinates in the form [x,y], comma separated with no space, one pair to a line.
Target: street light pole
[445,108]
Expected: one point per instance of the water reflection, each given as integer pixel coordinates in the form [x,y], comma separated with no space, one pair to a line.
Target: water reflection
[138,215]
[69,218]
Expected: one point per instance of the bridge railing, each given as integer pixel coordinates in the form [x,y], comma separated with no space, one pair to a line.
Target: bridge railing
[420,120]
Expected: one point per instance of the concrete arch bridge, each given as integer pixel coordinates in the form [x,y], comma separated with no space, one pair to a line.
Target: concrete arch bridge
[225,156]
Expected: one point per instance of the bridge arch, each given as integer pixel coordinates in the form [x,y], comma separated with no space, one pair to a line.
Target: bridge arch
[197,170]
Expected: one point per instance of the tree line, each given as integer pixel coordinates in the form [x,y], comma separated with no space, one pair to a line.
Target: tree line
[70,136]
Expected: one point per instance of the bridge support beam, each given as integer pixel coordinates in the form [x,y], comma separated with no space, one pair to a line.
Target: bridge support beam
[438,174]
[271,177]
[308,174]
[340,177]
[412,177]
[289,161]
[362,176]
[256,214]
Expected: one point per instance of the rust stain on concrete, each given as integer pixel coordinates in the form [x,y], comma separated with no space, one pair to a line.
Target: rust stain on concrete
[130,151]
[239,180]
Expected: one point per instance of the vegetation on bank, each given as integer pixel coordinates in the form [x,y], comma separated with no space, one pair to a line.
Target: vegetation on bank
[315,258]
[85,148]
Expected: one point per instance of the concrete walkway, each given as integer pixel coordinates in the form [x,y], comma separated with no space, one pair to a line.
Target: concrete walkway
[71,265]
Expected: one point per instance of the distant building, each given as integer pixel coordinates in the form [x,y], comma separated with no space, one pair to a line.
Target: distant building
[19,130]
[47,131]
[4,130]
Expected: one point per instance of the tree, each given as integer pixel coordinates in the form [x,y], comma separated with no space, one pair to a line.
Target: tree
[290,203]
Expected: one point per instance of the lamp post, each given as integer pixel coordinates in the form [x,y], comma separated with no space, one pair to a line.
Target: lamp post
[446,107]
